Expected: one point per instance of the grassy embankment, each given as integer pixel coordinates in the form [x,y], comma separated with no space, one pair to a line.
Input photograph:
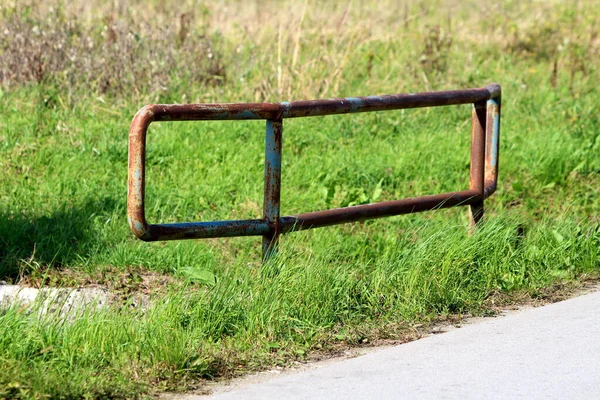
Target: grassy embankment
[73,76]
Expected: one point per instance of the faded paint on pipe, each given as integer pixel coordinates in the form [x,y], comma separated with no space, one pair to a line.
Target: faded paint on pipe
[492,150]
[205,230]
[310,108]
[272,189]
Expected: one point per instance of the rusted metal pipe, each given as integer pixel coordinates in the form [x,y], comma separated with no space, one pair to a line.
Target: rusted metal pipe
[477,170]
[382,209]
[492,145]
[309,108]
[272,186]
[483,172]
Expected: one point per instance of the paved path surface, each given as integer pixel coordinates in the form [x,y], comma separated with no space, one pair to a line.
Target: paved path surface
[551,352]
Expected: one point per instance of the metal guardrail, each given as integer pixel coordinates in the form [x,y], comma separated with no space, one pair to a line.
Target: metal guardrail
[485,136]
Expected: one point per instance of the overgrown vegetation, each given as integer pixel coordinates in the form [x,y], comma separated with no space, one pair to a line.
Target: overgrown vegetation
[73,74]
[111,55]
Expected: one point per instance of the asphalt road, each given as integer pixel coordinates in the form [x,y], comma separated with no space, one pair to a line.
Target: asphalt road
[551,352]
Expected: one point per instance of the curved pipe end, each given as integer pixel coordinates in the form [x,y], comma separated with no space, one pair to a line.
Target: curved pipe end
[494,89]
[140,228]
[136,174]
[143,118]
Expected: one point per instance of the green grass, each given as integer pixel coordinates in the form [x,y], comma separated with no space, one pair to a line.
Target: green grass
[63,172]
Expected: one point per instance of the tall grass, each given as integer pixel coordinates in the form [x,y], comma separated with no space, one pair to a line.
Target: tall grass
[284,310]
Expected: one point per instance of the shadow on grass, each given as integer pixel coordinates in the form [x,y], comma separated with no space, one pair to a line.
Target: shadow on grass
[50,241]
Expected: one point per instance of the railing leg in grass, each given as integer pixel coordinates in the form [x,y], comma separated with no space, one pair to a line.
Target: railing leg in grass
[478,143]
[272,196]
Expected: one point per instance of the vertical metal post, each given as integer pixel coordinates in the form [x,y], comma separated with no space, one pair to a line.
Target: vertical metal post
[272,186]
[477,160]
[492,143]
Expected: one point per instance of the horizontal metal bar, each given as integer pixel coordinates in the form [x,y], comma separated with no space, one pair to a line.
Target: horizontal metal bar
[377,210]
[312,108]
[309,108]
[255,227]
[204,230]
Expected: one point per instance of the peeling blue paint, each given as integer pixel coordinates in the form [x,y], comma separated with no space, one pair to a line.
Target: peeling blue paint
[286,108]
[355,102]
[272,188]
[217,228]
[137,173]
[272,171]
[247,114]
[138,226]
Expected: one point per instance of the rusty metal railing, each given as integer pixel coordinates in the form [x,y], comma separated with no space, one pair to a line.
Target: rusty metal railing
[485,135]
